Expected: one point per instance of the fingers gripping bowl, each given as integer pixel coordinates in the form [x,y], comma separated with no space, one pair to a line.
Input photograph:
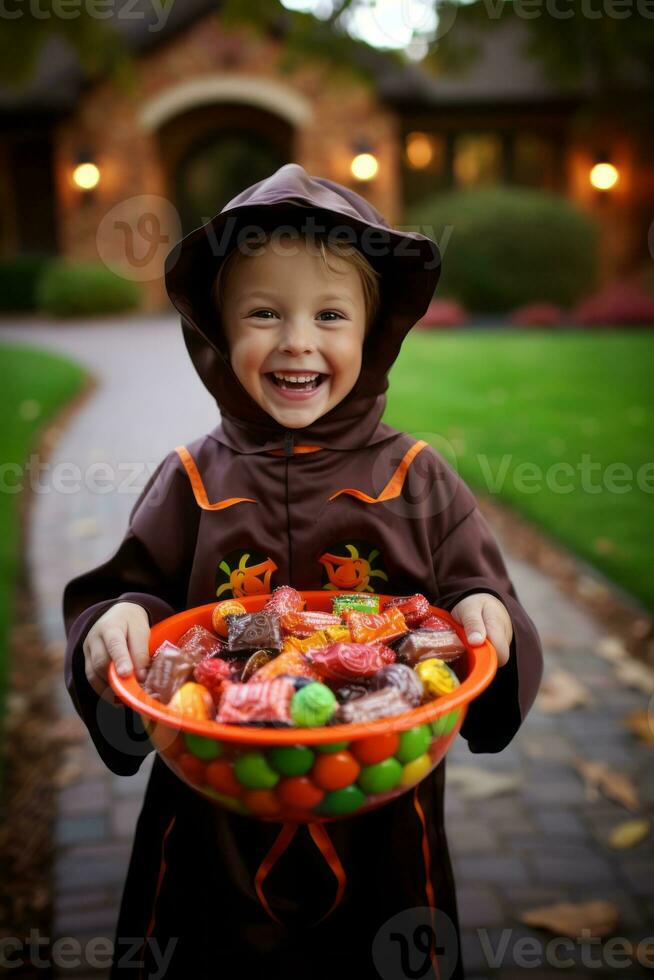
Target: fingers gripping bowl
[304,774]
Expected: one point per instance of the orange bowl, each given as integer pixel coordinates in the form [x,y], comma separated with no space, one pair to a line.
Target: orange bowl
[305,775]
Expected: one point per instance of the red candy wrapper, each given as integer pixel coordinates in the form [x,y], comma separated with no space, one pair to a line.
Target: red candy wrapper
[198,643]
[414,608]
[373,627]
[168,670]
[256,701]
[284,599]
[435,623]
[303,624]
[213,673]
[344,662]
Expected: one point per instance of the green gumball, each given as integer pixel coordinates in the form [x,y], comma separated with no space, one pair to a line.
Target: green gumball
[203,748]
[252,770]
[313,705]
[291,760]
[413,742]
[329,747]
[381,776]
[342,801]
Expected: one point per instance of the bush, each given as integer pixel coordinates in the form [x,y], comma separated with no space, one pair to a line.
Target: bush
[619,304]
[510,246]
[538,315]
[19,279]
[83,288]
[443,313]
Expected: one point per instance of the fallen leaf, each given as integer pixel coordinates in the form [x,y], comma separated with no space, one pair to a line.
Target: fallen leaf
[575,919]
[612,648]
[481,784]
[615,785]
[561,691]
[641,723]
[69,773]
[629,833]
[631,673]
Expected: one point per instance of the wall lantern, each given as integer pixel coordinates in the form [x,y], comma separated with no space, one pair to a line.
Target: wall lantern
[86,175]
[364,165]
[603,175]
[419,150]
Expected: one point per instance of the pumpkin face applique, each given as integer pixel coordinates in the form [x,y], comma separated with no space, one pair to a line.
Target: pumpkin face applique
[244,573]
[352,566]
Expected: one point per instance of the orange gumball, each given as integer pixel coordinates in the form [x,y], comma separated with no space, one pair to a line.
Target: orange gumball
[262,802]
[335,770]
[227,607]
[376,748]
[192,767]
[299,791]
[220,776]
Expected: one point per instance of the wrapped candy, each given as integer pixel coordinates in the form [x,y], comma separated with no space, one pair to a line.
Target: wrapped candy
[193,701]
[422,644]
[372,627]
[292,662]
[254,631]
[254,663]
[284,599]
[363,602]
[403,679]
[198,643]
[434,622]
[350,692]
[228,607]
[414,608]
[377,704]
[437,677]
[313,705]
[349,661]
[169,668]
[305,623]
[256,701]
[212,674]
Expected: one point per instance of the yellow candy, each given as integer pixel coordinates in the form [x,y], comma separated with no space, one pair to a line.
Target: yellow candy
[416,770]
[322,638]
[437,677]
[193,701]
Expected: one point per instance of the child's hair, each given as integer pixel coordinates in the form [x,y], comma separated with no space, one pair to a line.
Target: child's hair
[343,250]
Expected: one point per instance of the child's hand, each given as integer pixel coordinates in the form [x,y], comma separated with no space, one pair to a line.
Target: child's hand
[121,635]
[481,615]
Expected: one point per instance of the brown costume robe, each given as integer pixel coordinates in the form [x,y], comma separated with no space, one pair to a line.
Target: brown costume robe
[348,502]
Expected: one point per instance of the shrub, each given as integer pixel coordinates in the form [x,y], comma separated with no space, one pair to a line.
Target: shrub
[538,315]
[70,288]
[19,279]
[619,303]
[443,313]
[510,246]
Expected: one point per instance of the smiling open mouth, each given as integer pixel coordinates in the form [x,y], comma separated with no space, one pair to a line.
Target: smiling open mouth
[298,382]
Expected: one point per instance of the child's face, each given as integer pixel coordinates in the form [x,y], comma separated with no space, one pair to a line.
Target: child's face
[284,312]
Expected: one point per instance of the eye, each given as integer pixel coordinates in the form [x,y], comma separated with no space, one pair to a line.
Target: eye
[256,312]
[335,312]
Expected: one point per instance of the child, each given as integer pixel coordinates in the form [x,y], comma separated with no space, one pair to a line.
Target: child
[301,484]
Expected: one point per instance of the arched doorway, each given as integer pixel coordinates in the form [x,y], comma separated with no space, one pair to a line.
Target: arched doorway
[213,152]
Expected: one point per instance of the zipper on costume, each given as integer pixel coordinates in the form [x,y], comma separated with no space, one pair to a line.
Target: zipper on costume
[289,437]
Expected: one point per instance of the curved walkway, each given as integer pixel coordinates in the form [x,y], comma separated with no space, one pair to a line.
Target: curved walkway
[536,845]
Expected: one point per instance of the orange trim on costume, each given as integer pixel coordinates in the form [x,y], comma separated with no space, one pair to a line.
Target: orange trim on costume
[394,486]
[325,846]
[198,486]
[283,839]
[296,449]
[426,856]
[162,872]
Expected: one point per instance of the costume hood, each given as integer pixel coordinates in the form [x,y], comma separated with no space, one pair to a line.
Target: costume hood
[409,264]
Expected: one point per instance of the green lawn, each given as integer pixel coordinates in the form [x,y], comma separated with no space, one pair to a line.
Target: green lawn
[494,400]
[34,385]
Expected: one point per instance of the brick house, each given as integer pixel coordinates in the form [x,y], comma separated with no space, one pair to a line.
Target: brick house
[212,112]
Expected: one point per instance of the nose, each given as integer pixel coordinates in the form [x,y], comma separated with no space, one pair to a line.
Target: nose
[296,338]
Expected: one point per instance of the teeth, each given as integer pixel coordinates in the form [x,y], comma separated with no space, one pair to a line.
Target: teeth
[299,378]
